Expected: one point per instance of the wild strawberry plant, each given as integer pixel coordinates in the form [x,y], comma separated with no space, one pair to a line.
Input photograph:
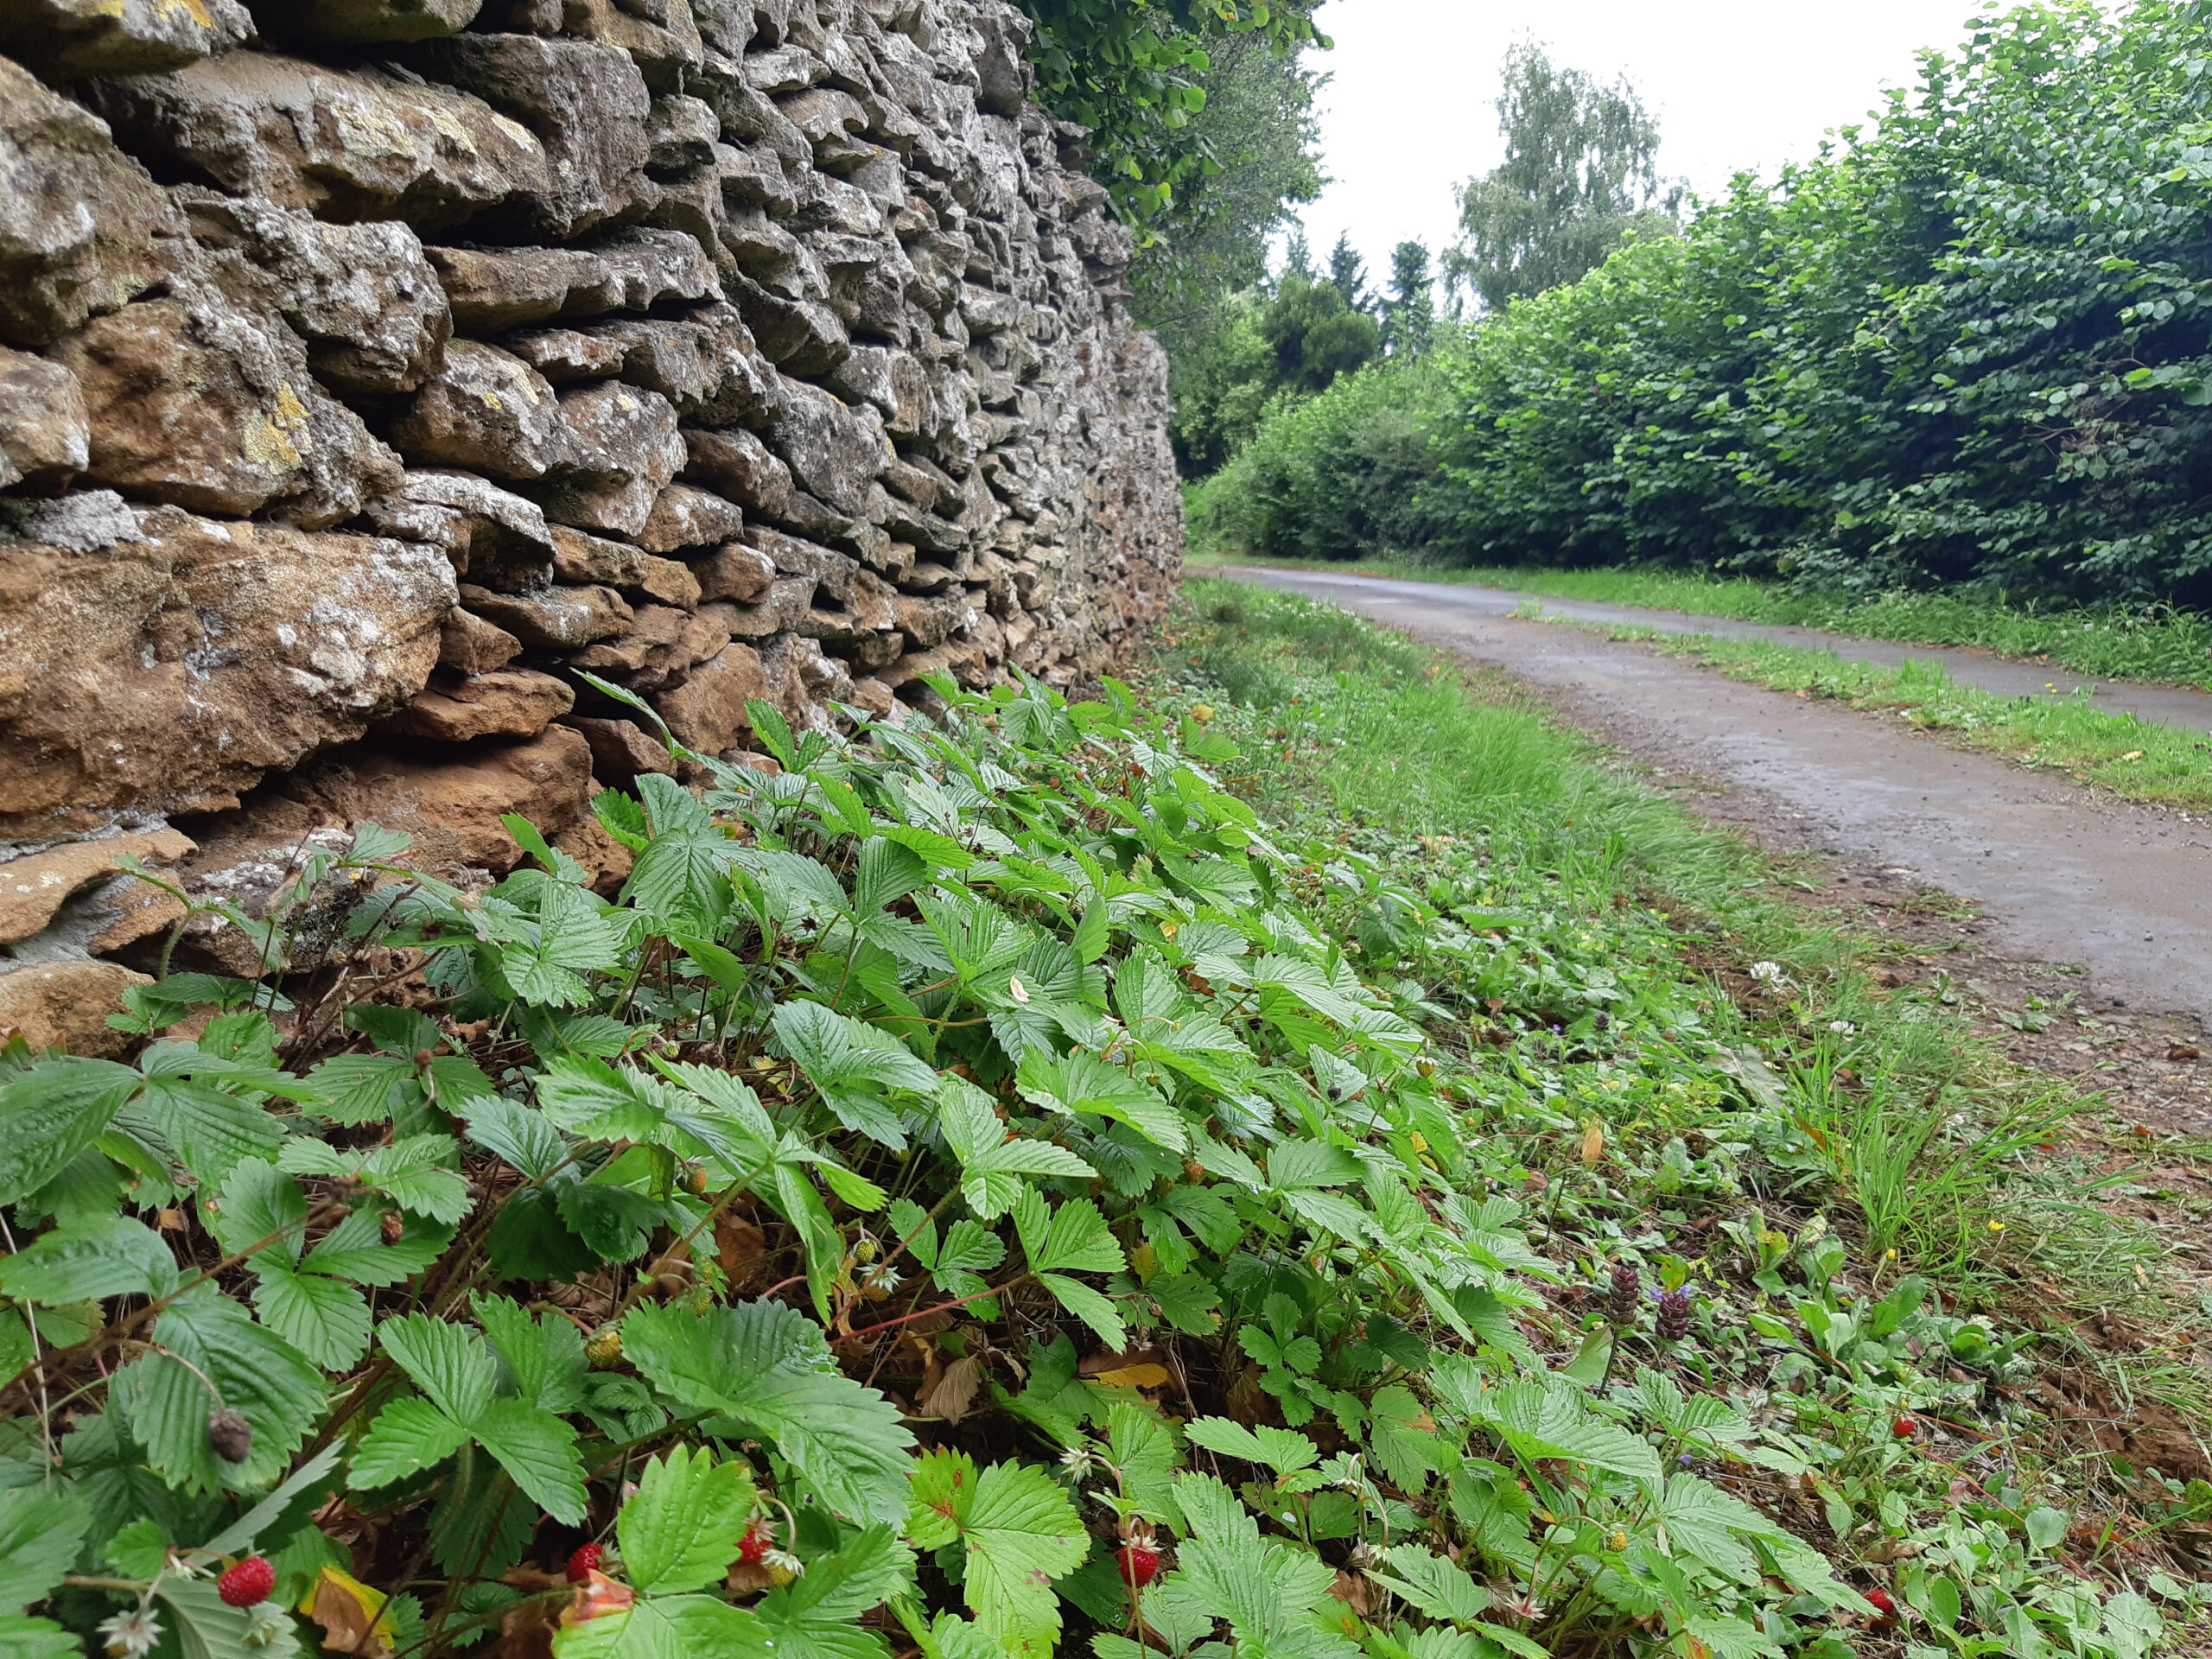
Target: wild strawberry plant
[962,1194]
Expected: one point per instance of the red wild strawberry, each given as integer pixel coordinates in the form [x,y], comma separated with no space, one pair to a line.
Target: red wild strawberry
[248,1584]
[1140,1562]
[585,1560]
[757,1542]
[1883,1605]
[1905,1426]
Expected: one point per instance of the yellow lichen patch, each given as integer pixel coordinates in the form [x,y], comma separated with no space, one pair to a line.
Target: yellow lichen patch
[265,445]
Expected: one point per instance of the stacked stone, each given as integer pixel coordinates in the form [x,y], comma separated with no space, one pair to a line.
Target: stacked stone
[368,368]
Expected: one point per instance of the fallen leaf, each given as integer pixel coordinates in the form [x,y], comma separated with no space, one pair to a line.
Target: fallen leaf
[597,1597]
[1593,1143]
[954,1392]
[1136,1376]
[2182,1051]
[352,1615]
[741,1247]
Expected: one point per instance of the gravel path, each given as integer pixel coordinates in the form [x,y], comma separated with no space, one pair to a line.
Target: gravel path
[2173,705]
[2059,875]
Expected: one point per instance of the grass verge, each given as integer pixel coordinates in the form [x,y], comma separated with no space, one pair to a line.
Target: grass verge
[2140,759]
[1694,1082]
[2160,645]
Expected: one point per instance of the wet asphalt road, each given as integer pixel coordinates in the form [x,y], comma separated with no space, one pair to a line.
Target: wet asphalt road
[2060,874]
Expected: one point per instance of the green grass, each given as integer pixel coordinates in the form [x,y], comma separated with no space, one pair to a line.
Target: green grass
[2160,645]
[1365,727]
[2140,759]
[1636,959]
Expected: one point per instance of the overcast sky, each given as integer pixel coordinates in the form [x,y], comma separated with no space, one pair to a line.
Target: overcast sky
[1735,84]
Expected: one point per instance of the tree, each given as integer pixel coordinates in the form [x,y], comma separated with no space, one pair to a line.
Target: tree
[1409,314]
[1316,334]
[1348,274]
[1212,242]
[1578,178]
[1135,73]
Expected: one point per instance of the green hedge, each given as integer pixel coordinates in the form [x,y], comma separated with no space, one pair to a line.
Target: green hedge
[1971,346]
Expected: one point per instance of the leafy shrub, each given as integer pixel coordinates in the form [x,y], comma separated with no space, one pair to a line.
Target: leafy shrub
[1004,1061]
[1347,473]
[1973,347]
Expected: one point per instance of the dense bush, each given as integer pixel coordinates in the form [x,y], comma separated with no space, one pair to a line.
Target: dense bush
[1971,346]
[1351,472]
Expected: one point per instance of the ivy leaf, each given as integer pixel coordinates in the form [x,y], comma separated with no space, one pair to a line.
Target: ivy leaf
[681,1529]
[767,1366]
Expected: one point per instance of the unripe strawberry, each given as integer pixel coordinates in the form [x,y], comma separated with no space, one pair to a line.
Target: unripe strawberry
[603,1348]
[248,1584]
[584,1562]
[1139,1561]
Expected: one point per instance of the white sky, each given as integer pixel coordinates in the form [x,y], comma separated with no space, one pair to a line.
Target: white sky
[1735,84]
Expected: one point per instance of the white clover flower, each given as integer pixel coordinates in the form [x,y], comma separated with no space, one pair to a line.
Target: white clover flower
[1769,973]
[1843,1028]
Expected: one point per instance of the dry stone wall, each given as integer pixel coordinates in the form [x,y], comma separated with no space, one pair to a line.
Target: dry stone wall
[368,368]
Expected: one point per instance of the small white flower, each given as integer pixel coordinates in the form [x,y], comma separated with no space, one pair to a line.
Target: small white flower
[131,1634]
[1843,1028]
[1769,973]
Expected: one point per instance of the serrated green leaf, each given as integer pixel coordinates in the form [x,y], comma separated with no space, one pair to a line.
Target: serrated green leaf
[324,1319]
[672,1627]
[409,1436]
[41,1533]
[767,1365]
[89,1261]
[1018,1532]
[681,1529]
[50,1112]
[538,1450]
